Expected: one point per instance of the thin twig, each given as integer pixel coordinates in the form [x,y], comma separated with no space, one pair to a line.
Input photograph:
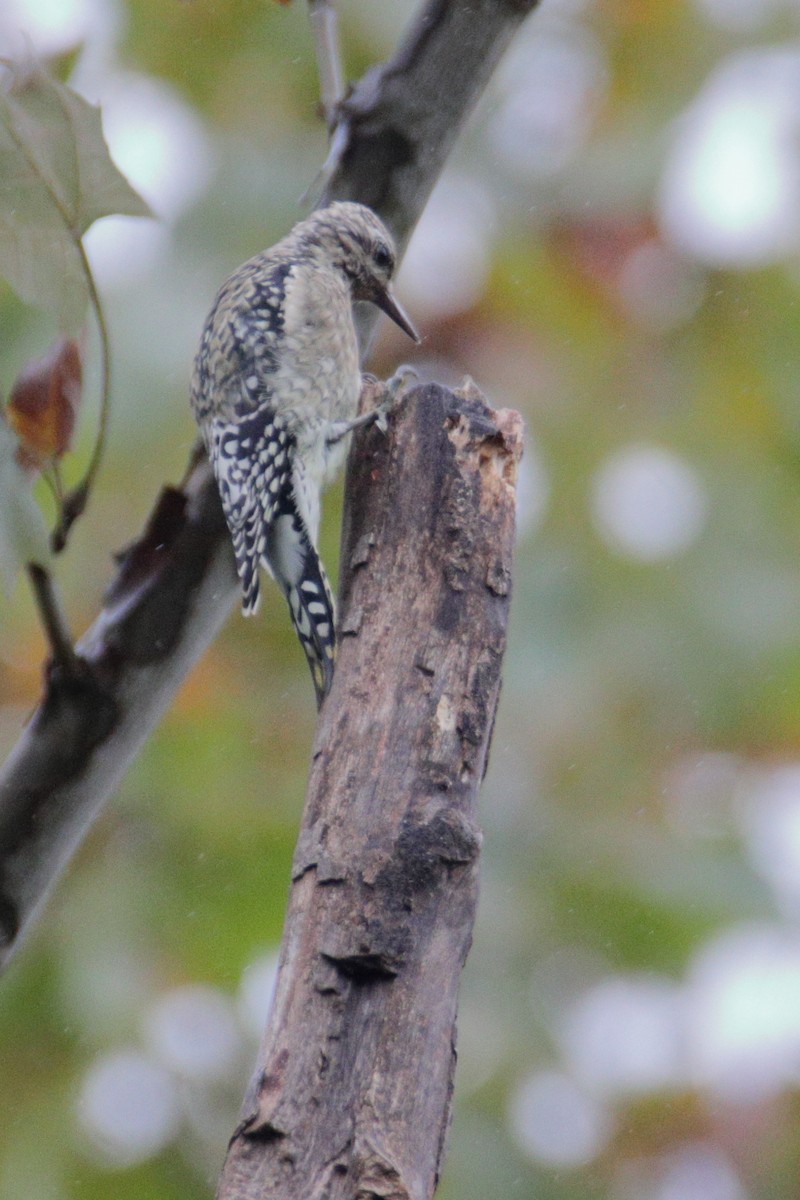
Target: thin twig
[76,499]
[53,620]
[325,28]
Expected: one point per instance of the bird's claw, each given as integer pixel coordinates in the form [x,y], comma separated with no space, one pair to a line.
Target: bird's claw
[382,397]
[394,389]
[403,379]
[382,415]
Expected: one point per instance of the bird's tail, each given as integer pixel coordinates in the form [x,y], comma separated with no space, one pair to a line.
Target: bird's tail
[294,562]
[311,606]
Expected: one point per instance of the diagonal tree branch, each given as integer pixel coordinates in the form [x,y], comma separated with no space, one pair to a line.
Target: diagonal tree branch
[175,588]
[403,117]
[177,585]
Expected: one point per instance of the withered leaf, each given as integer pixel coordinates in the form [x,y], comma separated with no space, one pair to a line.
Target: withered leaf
[44,404]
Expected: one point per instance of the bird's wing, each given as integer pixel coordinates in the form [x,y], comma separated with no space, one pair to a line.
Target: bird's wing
[251,459]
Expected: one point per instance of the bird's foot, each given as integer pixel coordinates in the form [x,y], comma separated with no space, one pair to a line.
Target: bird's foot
[404,378]
[387,394]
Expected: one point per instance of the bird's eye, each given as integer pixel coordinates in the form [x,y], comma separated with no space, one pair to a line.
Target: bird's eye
[382,257]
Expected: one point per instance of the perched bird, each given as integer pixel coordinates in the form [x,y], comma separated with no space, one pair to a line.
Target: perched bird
[275,391]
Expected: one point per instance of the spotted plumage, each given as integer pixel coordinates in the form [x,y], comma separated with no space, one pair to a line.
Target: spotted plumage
[275,392]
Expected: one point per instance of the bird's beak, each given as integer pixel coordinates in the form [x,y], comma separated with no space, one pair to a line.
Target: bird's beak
[386,301]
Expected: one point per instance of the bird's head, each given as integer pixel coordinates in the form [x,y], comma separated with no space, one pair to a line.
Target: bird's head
[359,244]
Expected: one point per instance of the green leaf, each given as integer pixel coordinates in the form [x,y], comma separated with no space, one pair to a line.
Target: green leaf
[42,264]
[23,534]
[56,178]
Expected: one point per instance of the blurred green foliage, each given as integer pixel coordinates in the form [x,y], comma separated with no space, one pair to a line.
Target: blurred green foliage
[608,853]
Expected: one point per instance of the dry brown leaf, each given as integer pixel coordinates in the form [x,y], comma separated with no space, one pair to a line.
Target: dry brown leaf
[44,404]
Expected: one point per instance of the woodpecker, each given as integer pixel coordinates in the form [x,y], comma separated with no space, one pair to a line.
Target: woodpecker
[275,391]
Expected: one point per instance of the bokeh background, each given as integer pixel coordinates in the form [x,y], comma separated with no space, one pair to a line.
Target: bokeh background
[615,251]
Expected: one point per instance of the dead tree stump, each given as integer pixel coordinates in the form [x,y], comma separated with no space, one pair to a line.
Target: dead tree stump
[351,1097]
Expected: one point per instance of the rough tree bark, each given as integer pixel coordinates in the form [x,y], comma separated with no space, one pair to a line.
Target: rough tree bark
[177,585]
[351,1096]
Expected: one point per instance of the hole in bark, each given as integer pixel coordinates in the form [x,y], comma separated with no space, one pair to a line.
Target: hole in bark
[264,1133]
[364,968]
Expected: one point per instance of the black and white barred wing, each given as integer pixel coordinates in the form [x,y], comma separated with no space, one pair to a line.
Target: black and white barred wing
[253,463]
[250,458]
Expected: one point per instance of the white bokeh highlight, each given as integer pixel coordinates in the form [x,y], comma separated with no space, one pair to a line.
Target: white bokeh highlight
[159,144]
[730,193]
[694,1171]
[626,1036]
[157,141]
[128,1108]
[699,1171]
[194,1032]
[549,88]
[770,821]
[47,27]
[647,503]
[743,994]
[555,1122]
[446,267]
